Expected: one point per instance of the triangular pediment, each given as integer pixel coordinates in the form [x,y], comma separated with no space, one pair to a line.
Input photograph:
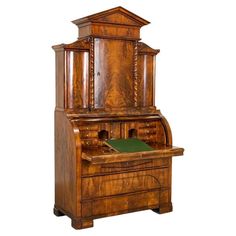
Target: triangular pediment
[118,15]
[145,49]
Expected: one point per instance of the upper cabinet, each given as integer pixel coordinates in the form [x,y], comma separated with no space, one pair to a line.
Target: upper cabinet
[107,69]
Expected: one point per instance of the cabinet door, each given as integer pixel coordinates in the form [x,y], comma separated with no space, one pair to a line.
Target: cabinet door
[113,73]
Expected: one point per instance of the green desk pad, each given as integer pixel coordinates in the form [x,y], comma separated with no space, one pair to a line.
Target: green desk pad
[128,145]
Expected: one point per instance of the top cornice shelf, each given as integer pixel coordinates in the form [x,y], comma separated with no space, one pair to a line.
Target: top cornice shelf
[117,15]
[116,23]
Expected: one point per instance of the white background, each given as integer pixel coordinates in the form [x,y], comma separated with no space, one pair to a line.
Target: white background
[196,73]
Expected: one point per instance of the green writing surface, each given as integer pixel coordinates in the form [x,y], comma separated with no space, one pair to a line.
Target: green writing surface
[128,145]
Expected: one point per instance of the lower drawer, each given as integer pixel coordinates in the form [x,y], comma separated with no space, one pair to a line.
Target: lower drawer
[108,185]
[89,169]
[120,204]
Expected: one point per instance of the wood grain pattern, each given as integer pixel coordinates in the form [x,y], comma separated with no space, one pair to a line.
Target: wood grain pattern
[117,22]
[110,185]
[105,89]
[148,131]
[145,75]
[65,165]
[117,15]
[60,79]
[113,73]
[122,167]
[77,80]
[122,204]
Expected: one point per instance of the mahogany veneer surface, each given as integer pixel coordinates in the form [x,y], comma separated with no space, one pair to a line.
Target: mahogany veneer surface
[105,89]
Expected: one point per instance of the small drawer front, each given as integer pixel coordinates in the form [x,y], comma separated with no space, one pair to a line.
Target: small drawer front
[102,186]
[88,134]
[147,131]
[89,142]
[89,170]
[89,127]
[148,138]
[121,204]
[143,125]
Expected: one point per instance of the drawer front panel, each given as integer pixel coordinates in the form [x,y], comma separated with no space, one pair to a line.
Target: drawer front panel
[89,127]
[147,131]
[88,169]
[144,132]
[143,125]
[88,134]
[89,142]
[121,204]
[148,138]
[109,185]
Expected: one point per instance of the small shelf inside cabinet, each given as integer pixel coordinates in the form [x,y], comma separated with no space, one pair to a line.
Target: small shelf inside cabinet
[103,155]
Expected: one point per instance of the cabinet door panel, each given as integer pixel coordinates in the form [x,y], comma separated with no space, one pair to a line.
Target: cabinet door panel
[113,73]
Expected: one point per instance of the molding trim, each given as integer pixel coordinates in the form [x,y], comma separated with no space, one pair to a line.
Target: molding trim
[135,73]
[91,77]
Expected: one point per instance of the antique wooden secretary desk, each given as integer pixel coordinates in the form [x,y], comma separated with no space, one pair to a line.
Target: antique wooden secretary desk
[105,85]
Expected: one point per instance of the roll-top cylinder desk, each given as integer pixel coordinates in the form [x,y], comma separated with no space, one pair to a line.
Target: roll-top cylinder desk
[105,89]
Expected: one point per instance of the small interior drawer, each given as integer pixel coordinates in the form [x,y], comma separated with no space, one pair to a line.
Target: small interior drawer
[88,134]
[146,138]
[147,131]
[88,142]
[143,125]
[89,127]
